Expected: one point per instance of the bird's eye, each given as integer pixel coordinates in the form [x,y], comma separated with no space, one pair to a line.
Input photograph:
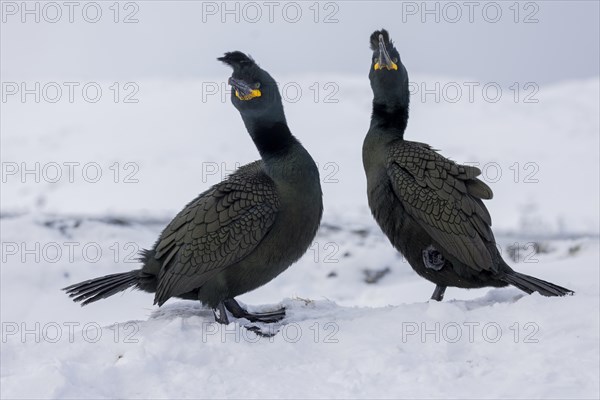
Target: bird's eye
[395,60]
[257,85]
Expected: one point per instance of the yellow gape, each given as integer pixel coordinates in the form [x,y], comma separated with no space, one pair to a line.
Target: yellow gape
[378,67]
[254,93]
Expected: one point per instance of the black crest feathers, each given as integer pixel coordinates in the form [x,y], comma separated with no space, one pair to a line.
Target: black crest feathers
[237,59]
[374,40]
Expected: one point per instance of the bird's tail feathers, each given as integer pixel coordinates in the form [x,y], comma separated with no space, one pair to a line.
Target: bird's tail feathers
[103,287]
[530,284]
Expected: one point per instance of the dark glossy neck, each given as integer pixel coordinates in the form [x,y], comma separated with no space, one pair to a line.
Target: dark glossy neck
[390,117]
[271,137]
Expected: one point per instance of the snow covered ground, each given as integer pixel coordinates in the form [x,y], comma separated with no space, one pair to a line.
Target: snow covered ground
[345,335]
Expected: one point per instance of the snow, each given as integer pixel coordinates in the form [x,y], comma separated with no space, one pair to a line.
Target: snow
[343,337]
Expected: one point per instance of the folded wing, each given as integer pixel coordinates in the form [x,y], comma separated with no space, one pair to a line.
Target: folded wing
[219,228]
[445,199]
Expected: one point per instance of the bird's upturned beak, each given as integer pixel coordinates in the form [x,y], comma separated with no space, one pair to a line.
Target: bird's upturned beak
[385,61]
[243,91]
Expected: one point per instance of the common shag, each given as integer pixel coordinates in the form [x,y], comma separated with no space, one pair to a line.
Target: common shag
[241,233]
[429,207]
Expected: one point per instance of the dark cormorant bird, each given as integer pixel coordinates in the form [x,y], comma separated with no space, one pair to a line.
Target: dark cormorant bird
[429,207]
[241,233]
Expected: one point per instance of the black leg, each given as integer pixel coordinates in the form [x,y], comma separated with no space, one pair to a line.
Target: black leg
[221,314]
[438,293]
[239,312]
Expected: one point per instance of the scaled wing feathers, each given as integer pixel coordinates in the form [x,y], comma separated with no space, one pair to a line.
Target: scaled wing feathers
[217,229]
[445,199]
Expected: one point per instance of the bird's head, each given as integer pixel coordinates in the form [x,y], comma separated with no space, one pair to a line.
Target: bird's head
[253,91]
[389,79]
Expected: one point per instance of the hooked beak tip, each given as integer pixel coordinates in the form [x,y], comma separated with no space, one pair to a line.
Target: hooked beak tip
[239,85]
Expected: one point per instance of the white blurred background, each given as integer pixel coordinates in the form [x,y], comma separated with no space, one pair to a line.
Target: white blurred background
[505,41]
